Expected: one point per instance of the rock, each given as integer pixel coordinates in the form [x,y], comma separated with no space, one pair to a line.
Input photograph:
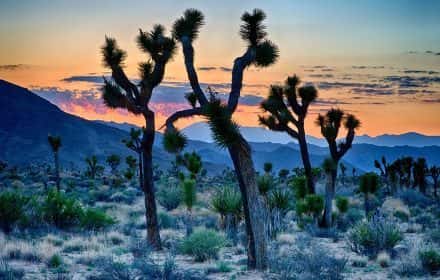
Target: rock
[400,250]
[393,205]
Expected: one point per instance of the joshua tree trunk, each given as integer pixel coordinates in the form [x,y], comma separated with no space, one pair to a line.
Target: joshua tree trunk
[153,236]
[306,159]
[329,196]
[141,176]
[57,171]
[367,204]
[254,209]
[231,228]
[189,223]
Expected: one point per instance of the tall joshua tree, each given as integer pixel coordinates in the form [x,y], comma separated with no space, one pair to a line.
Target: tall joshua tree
[434,172]
[291,121]
[122,93]
[260,52]
[330,124]
[55,144]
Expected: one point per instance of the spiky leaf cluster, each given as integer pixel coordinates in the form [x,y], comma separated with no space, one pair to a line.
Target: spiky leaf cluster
[329,165]
[188,25]
[189,193]
[160,47]
[191,97]
[227,201]
[113,96]
[112,55]
[54,142]
[280,199]
[224,130]
[193,163]
[369,183]
[174,141]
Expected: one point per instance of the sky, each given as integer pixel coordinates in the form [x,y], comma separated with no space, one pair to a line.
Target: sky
[379,60]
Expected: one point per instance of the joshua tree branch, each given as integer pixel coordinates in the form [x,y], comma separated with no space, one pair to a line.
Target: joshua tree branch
[240,64]
[188,53]
[346,145]
[158,74]
[122,80]
[181,114]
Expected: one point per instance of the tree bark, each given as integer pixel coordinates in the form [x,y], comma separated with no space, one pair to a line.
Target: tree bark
[255,211]
[306,159]
[141,176]
[153,236]
[329,196]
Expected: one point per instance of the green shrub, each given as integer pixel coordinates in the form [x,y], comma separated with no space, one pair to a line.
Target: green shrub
[375,235]
[55,261]
[11,209]
[61,210]
[170,197]
[299,187]
[265,184]
[430,260]
[342,204]
[203,244]
[280,199]
[166,220]
[95,219]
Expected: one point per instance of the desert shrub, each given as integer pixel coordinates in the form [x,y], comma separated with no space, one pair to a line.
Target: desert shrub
[9,273]
[430,259]
[265,184]
[307,264]
[426,220]
[166,220]
[311,206]
[349,219]
[342,204]
[413,198]
[170,197]
[203,244]
[374,235]
[220,267]
[55,261]
[61,210]
[299,186]
[95,219]
[401,215]
[110,269]
[11,209]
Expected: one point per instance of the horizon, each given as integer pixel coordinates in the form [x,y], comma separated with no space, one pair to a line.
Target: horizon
[380,61]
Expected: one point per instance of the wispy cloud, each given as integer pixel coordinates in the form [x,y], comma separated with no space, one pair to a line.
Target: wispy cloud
[13,67]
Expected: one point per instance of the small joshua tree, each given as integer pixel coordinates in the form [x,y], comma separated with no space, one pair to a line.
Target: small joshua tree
[260,52]
[93,168]
[55,144]
[369,184]
[434,172]
[131,167]
[343,169]
[330,124]
[419,174]
[135,97]
[113,161]
[281,118]
[134,143]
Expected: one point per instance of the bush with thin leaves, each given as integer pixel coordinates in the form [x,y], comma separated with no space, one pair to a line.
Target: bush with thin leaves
[60,210]
[95,219]
[430,259]
[203,244]
[373,236]
[12,208]
[169,197]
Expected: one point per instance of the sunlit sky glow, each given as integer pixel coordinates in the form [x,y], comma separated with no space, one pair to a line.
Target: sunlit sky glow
[377,59]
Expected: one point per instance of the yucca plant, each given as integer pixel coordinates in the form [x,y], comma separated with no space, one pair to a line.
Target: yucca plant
[434,172]
[420,171]
[279,204]
[330,125]
[189,198]
[285,113]
[93,167]
[260,52]
[113,161]
[55,144]
[120,92]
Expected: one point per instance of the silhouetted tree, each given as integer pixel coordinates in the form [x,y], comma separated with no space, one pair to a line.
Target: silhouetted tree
[93,168]
[113,161]
[434,172]
[55,144]
[260,52]
[419,174]
[134,143]
[122,93]
[330,124]
[343,169]
[131,167]
[291,121]
[369,184]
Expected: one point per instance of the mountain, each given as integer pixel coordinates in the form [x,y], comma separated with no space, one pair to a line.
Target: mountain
[200,131]
[26,119]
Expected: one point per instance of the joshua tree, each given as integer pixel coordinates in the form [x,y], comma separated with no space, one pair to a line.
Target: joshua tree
[93,168]
[330,124]
[260,52]
[281,118]
[343,169]
[419,174]
[113,161]
[131,167]
[267,167]
[434,172]
[55,144]
[369,184]
[134,143]
[122,93]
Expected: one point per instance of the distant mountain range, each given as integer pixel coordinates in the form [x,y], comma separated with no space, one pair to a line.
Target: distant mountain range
[26,119]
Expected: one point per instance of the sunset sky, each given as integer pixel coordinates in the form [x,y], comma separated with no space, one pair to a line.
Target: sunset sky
[377,59]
